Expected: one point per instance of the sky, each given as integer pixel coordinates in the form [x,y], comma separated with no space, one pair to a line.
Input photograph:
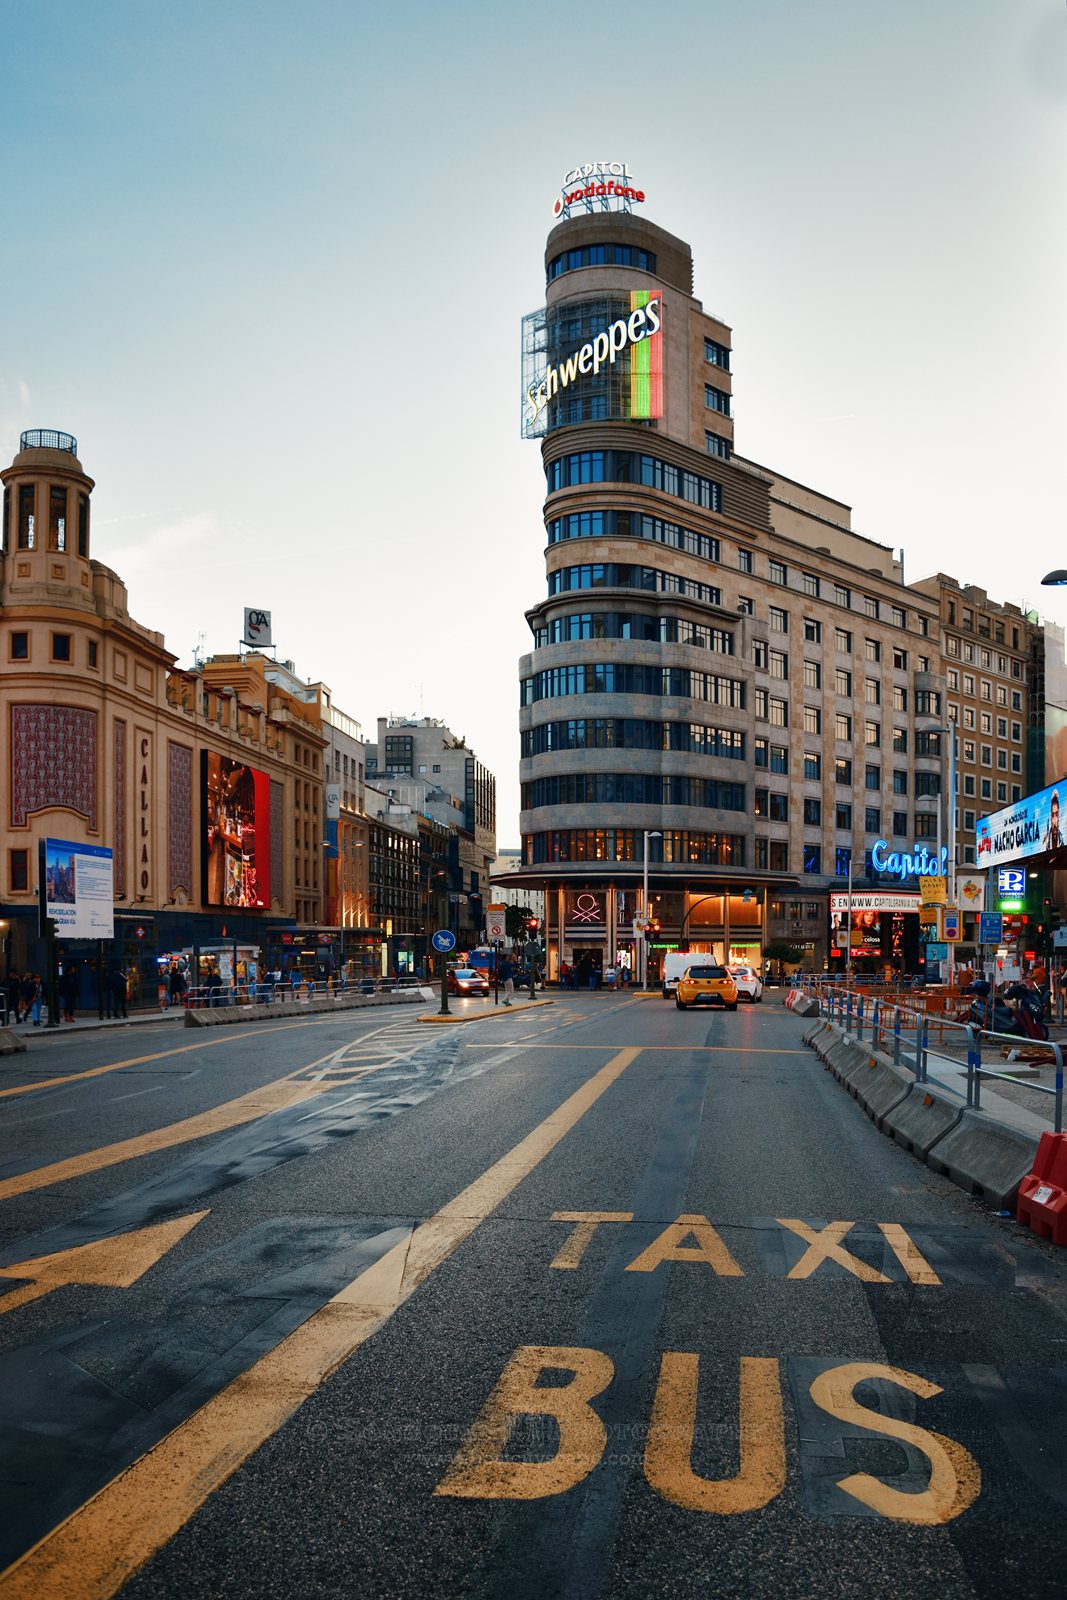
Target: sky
[268,264]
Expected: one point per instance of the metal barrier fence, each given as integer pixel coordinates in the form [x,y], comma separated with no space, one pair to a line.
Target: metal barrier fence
[886,1024]
[267,992]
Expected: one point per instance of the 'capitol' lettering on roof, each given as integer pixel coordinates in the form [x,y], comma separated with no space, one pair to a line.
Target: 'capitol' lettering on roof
[640,324]
[596,181]
[923,864]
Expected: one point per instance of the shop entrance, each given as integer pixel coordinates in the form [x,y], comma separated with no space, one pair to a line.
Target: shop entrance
[587,964]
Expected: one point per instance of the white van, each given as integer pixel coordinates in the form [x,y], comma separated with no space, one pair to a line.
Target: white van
[675,963]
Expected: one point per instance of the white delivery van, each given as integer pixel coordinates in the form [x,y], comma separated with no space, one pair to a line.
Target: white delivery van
[675,963]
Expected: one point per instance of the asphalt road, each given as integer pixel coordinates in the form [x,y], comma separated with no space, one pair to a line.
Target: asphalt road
[596,1298]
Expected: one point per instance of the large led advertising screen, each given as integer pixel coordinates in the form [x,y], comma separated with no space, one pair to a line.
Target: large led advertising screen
[236,834]
[1030,827]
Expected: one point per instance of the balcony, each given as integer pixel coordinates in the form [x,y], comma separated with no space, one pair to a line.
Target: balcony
[48,439]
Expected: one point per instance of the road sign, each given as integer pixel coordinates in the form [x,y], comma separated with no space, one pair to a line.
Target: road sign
[444,941]
[496,922]
[990,927]
[953,928]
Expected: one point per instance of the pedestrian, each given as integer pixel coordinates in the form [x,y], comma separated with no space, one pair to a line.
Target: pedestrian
[117,989]
[14,997]
[68,990]
[594,974]
[27,992]
[507,978]
[564,975]
[176,986]
[36,998]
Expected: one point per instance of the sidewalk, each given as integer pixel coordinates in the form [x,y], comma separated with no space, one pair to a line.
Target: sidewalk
[90,1024]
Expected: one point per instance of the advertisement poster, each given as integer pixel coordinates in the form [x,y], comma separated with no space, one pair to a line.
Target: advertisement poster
[236,811]
[1030,827]
[79,894]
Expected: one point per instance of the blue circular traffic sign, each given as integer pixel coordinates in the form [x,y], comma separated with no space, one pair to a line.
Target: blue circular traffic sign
[444,941]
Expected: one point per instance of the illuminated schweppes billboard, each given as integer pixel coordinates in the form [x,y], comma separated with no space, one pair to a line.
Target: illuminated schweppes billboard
[592,361]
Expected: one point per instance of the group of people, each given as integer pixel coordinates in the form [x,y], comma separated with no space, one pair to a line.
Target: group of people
[589,974]
[25,997]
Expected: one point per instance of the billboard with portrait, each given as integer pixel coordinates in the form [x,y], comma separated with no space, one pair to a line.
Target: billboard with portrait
[1031,827]
[78,889]
[236,833]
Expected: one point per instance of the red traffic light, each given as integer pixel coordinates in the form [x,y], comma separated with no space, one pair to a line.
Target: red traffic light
[533,924]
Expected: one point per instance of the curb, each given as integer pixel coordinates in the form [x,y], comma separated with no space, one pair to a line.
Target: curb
[228,1016]
[485,1016]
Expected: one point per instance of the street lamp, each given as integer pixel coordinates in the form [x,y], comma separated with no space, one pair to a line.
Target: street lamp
[1056,579]
[650,833]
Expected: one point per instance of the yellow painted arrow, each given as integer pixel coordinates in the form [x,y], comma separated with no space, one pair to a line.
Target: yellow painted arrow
[114,1263]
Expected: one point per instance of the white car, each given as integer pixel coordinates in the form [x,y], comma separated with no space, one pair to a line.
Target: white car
[749,985]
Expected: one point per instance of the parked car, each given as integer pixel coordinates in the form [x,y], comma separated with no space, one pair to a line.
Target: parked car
[466,980]
[706,985]
[749,986]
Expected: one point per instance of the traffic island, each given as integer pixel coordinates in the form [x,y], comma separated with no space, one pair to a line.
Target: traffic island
[486,1015]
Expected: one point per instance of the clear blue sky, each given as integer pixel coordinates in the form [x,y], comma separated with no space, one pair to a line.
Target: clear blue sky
[268,263]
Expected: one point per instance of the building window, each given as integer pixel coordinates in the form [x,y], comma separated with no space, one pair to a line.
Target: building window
[779,619]
[843,640]
[968,783]
[744,560]
[61,647]
[813,812]
[900,824]
[809,583]
[843,771]
[925,827]
[91,653]
[20,646]
[779,713]
[872,819]
[779,807]
[745,607]
[812,719]
[843,595]
[900,741]
[27,532]
[900,781]
[18,871]
[716,399]
[83,524]
[812,767]
[716,445]
[842,726]
[843,861]
[870,606]
[927,703]
[57,518]
[843,817]
[777,571]
[900,698]
[900,660]
[760,697]
[872,650]
[812,630]
[872,691]
[760,802]
[812,858]
[717,354]
[759,654]
[843,682]
[1002,796]
[872,777]
[899,616]
[779,664]
[812,675]
[872,733]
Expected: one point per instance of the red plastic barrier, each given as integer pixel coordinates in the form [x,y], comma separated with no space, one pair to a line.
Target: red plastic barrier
[1042,1203]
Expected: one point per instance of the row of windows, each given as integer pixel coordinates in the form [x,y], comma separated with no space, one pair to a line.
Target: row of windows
[630,466]
[963,650]
[611,677]
[601,255]
[632,788]
[631,525]
[62,648]
[772,806]
[633,625]
[26,533]
[842,595]
[986,691]
[678,847]
[623,575]
[632,733]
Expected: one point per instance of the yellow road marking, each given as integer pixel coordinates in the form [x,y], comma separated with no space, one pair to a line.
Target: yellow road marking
[908,1254]
[157,1055]
[761,1427]
[682,1049]
[115,1263]
[96,1549]
[668,1246]
[586,1223]
[826,1246]
[246,1108]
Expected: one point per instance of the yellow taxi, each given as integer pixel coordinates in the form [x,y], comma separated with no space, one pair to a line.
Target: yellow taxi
[706,984]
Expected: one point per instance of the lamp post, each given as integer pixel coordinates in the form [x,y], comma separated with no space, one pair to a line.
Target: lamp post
[650,833]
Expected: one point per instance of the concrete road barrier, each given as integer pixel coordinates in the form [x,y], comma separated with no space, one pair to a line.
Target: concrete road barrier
[805,1006]
[879,1086]
[10,1043]
[985,1157]
[226,1016]
[921,1118]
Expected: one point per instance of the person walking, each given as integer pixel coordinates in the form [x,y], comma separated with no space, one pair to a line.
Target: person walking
[36,988]
[564,975]
[507,978]
[176,986]
[68,990]
[117,988]
[28,990]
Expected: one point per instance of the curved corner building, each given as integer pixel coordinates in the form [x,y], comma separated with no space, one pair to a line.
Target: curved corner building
[700,682]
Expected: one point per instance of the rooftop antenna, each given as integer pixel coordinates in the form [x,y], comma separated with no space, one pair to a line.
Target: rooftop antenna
[198,649]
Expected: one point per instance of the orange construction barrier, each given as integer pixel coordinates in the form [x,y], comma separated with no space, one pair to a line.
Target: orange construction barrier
[1042,1203]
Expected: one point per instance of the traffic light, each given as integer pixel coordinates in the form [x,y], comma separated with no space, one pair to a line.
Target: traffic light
[532,925]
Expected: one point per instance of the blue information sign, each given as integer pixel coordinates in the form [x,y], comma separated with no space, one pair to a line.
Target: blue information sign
[444,941]
[990,928]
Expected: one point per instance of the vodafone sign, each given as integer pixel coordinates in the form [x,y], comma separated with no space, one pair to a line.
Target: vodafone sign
[597,186]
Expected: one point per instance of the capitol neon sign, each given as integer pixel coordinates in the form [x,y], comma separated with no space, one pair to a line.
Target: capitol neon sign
[923,863]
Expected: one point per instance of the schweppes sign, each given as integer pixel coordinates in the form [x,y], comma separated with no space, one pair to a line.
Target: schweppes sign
[640,335]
